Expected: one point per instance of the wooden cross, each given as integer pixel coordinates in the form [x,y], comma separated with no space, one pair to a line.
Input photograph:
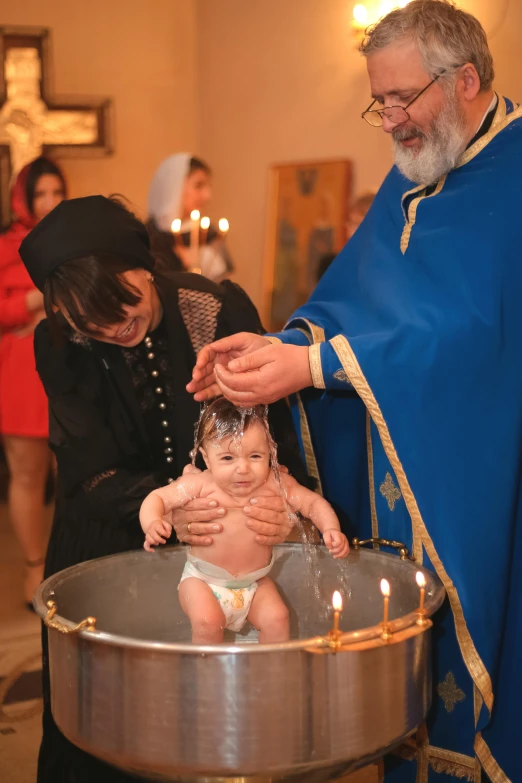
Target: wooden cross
[31,122]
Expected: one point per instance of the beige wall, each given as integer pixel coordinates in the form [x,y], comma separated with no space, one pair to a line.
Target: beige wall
[245,83]
[141,53]
[280,80]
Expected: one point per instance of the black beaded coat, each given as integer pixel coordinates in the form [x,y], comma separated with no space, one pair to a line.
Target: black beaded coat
[114,444]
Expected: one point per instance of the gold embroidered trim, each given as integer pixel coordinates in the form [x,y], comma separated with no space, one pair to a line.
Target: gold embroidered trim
[412,213]
[407,750]
[371,478]
[360,384]
[273,340]
[389,491]
[458,765]
[442,761]
[340,375]
[316,369]
[317,332]
[311,462]
[449,692]
[421,536]
[500,121]
[489,764]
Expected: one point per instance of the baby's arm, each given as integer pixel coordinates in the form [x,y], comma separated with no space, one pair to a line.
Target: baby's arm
[316,508]
[165,499]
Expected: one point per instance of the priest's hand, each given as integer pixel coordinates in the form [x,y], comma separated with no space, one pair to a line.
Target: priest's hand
[265,375]
[203,384]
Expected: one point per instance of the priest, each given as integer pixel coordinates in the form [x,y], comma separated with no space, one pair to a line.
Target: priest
[405,374]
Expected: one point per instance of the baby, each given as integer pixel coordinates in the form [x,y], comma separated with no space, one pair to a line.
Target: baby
[227,582]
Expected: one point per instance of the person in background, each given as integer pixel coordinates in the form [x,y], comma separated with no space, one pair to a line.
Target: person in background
[39,187]
[183,183]
[358,212]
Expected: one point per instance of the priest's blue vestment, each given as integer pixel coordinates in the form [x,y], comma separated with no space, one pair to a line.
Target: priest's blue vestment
[414,429]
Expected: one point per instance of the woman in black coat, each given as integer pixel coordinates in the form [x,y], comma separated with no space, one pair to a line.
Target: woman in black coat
[115,355]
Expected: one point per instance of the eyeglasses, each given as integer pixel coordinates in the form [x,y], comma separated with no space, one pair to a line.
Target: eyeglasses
[395,114]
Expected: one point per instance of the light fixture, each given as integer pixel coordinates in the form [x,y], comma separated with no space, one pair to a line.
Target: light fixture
[369,12]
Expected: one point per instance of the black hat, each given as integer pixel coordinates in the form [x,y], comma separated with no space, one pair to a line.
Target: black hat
[84,227]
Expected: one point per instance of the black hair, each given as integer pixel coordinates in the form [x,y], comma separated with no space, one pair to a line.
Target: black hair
[162,248]
[91,291]
[37,169]
[196,164]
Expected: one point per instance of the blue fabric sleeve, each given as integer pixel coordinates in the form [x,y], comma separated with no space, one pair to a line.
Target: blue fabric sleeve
[291,337]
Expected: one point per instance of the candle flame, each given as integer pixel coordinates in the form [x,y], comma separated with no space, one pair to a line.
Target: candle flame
[195,214]
[337,601]
[176,226]
[385,587]
[223,225]
[421,579]
[205,223]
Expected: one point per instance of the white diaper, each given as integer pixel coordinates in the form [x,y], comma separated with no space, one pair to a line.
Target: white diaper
[234,595]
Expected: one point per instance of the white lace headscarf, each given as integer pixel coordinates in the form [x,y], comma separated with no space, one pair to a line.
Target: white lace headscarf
[166,190]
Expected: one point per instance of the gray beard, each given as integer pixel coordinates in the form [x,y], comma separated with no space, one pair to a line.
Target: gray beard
[443,145]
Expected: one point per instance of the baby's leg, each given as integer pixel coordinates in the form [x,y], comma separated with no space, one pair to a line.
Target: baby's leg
[269,614]
[203,610]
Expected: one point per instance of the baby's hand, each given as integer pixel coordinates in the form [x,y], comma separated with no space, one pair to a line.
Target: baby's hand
[158,532]
[336,542]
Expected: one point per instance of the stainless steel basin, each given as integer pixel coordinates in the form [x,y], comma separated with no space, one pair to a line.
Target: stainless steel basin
[136,693]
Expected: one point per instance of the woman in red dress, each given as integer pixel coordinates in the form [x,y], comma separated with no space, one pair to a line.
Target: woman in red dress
[39,187]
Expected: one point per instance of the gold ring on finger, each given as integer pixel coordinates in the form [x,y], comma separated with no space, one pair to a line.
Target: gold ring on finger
[188,528]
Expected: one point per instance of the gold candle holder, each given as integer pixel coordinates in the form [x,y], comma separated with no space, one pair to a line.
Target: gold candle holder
[421,611]
[385,625]
[334,636]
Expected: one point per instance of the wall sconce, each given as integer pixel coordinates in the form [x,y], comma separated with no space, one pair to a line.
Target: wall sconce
[369,12]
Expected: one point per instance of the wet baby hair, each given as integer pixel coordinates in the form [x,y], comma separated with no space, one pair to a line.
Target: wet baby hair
[221,419]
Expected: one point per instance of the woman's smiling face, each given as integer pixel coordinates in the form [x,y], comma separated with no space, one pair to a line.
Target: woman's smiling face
[140,319]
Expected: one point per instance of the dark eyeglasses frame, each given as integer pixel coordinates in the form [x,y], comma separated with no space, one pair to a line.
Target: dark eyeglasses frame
[384,109]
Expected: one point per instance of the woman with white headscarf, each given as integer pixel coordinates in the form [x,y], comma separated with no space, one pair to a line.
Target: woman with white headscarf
[183,183]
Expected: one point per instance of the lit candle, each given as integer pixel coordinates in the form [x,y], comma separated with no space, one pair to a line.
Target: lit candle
[223,226]
[176,230]
[194,238]
[421,581]
[205,225]
[337,603]
[385,590]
